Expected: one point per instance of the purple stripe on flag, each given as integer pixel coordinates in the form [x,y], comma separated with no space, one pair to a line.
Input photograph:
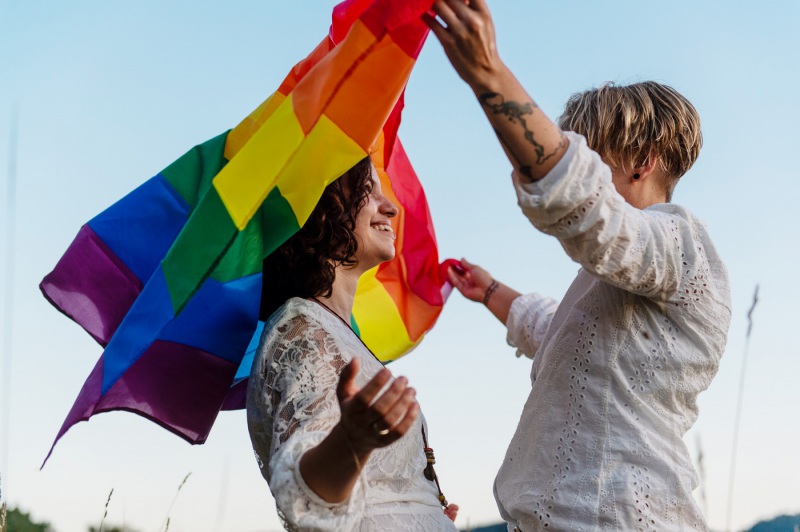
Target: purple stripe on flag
[174,385]
[84,405]
[142,326]
[237,396]
[92,286]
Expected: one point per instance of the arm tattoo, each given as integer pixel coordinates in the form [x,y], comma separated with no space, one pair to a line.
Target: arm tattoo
[516,113]
[523,169]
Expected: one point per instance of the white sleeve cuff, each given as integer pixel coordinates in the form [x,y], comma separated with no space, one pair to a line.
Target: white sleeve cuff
[528,321]
[298,503]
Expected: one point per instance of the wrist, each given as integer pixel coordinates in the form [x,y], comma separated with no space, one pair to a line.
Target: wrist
[359,453]
[491,289]
[490,78]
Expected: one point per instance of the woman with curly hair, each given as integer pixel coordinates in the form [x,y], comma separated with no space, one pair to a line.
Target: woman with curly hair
[340,442]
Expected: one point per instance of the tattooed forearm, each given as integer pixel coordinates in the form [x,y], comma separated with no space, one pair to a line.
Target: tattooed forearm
[513,110]
[524,169]
[516,113]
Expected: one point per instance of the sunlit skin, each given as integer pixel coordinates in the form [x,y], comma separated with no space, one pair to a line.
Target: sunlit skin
[374,230]
[376,239]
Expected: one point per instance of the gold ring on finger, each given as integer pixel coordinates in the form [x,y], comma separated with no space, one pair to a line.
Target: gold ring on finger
[380,431]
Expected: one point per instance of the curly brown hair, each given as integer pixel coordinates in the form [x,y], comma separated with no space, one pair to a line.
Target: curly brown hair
[305,265]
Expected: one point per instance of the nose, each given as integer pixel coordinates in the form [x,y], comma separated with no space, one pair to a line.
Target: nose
[388,208]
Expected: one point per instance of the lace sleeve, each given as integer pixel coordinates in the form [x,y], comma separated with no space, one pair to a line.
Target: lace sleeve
[647,252]
[301,365]
[528,320]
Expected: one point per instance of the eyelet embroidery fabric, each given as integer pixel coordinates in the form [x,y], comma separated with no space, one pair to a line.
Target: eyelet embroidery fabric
[618,364]
[528,321]
[292,406]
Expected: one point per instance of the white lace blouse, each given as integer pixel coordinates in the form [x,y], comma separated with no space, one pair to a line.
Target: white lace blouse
[292,406]
[618,364]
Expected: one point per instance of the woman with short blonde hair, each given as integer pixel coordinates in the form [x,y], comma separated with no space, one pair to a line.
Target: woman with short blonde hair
[619,362]
[628,124]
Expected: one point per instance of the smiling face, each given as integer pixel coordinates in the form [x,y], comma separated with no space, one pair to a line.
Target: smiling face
[373,230]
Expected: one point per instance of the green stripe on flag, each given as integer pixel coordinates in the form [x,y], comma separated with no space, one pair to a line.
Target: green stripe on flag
[274,223]
[197,251]
[192,173]
[279,220]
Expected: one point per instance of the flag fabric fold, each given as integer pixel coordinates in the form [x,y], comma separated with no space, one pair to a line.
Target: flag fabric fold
[168,279]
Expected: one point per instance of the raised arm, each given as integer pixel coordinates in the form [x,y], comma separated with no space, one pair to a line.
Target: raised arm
[532,142]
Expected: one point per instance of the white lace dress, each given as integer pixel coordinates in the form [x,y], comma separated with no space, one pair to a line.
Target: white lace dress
[292,406]
[618,364]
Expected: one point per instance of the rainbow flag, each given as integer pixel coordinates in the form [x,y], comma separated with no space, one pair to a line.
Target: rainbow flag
[168,279]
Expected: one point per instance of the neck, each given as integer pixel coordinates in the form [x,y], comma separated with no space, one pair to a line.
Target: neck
[653,199]
[652,193]
[645,196]
[343,292]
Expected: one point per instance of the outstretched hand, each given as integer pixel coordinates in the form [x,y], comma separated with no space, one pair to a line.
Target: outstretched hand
[468,38]
[471,280]
[370,420]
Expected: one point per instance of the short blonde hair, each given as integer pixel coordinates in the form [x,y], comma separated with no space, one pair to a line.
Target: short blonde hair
[624,123]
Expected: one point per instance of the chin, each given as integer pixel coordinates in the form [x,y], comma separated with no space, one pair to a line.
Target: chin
[384,257]
[376,256]
[390,254]
[375,261]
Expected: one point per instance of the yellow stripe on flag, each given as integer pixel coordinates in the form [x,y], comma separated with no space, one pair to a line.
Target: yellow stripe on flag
[243,132]
[247,179]
[381,326]
[326,154]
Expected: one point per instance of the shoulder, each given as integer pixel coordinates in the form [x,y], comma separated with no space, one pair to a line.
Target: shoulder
[294,317]
[674,210]
[682,225]
[702,267]
[300,325]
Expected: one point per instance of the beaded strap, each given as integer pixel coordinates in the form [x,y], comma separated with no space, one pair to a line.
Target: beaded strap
[430,474]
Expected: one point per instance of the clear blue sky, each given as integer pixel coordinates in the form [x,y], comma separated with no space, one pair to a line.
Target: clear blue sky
[108,93]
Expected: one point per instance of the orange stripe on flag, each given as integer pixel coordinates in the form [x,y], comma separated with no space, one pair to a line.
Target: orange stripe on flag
[380,69]
[416,313]
[304,67]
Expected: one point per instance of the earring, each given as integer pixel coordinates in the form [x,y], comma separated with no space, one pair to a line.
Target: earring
[636,175]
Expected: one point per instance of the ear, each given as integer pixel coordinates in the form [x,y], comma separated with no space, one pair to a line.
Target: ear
[646,167]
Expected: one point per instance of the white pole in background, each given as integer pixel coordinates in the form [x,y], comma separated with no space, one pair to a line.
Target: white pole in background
[739,410]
